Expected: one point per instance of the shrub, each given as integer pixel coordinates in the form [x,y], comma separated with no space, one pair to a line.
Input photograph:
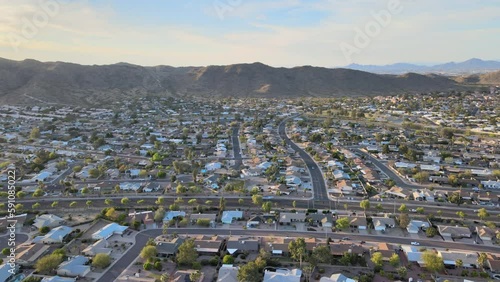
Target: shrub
[147,266]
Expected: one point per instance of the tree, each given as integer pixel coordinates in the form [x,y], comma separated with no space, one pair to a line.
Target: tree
[5,251]
[228,259]
[88,203]
[394,260]
[365,204]
[402,271]
[266,207]
[431,232]
[125,201]
[159,214]
[44,229]
[35,133]
[187,253]
[481,259]
[459,263]
[160,200]
[379,207]
[294,204]
[455,198]
[73,204]
[195,276]
[35,206]
[482,213]
[420,177]
[403,208]
[342,223]
[54,204]
[297,249]
[378,259]
[432,261]
[19,207]
[148,252]
[404,220]
[461,214]
[321,254]
[241,201]
[48,263]
[108,202]
[85,190]
[101,261]
[249,273]
[111,213]
[20,194]
[257,200]
[38,193]
[192,202]
[420,210]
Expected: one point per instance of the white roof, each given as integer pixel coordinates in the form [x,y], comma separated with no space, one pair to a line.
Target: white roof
[228,273]
[283,275]
[338,277]
[108,230]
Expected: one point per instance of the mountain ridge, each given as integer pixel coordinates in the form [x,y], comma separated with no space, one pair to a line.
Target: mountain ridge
[31,81]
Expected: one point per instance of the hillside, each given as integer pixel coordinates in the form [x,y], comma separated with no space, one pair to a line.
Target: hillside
[492,78]
[31,81]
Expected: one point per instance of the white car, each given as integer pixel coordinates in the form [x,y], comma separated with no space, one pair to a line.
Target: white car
[415,243]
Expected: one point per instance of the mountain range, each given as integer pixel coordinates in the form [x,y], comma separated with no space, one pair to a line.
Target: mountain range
[471,66]
[33,82]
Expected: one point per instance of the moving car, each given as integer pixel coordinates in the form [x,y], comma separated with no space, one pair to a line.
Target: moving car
[415,243]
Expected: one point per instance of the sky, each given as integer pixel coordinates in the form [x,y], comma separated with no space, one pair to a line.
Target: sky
[280,33]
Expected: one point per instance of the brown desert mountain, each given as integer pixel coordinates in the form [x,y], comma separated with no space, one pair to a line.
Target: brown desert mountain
[31,81]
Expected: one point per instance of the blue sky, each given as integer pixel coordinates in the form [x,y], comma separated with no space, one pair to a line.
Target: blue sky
[275,32]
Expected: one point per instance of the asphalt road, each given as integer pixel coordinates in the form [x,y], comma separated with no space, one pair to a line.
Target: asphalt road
[236,148]
[318,183]
[141,239]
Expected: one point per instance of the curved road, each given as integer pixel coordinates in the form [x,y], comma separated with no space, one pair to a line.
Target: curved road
[318,182]
[141,238]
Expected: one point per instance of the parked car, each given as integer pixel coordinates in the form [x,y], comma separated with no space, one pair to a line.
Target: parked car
[415,243]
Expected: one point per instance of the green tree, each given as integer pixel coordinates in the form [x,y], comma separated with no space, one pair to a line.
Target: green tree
[455,198]
[73,204]
[108,202]
[297,249]
[342,223]
[266,207]
[101,261]
[228,259]
[431,232]
[402,271]
[148,252]
[44,229]
[159,214]
[195,276]
[160,200]
[461,214]
[420,177]
[35,206]
[257,200]
[54,204]
[88,203]
[38,193]
[48,263]
[459,263]
[125,201]
[404,220]
[378,259]
[481,259]
[394,260]
[432,261]
[420,210]
[482,213]
[403,208]
[187,253]
[294,204]
[241,201]
[35,133]
[364,204]
[249,273]
[321,254]
[5,251]
[165,277]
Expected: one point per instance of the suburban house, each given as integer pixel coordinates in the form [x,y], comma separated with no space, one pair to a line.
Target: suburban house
[339,249]
[493,263]
[417,225]
[358,222]
[169,248]
[206,216]
[5,272]
[55,236]
[324,220]
[385,250]
[20,219]
[382,223]
[454,231]
[229,216]
[47,220]
[282,275]
[491,184]
[242,244]
[144,217]
[337,277]
[99,247]
[288,217]
[173,214]
[423,195]
[228,273]
[208,245]
[76,267]
[108,231]
[469,260]
[485,233]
